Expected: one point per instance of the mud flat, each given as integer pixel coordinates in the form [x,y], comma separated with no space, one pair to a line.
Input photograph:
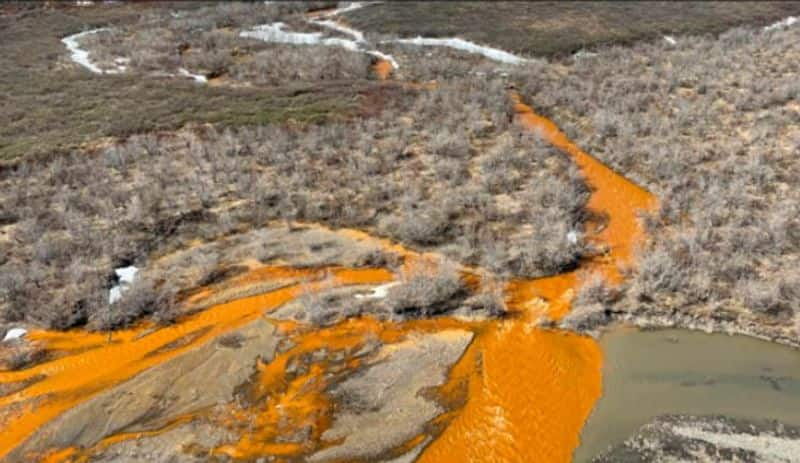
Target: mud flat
[647,374]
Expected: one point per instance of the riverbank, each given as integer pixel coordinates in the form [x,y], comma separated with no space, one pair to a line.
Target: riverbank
[699,439]
[675,371]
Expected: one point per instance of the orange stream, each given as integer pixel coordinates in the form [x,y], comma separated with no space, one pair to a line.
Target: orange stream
[535,388]
[526,392]
[382,69]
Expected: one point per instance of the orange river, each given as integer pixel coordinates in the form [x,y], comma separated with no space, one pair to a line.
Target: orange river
[525,391]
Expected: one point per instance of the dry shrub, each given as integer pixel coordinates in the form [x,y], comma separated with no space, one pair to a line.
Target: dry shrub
[713,135]
[428,289]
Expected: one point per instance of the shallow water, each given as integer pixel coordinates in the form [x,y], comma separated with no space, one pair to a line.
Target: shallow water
[534,388]
[650,373]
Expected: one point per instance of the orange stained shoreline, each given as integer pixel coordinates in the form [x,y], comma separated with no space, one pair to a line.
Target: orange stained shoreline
[614,196]
[283,406]
[75,455]
[62,383]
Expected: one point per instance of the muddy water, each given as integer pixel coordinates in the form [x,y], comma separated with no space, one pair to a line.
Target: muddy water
[676,371]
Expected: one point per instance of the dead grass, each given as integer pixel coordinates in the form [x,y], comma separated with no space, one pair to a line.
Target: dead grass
[50,106]
[548,28]
[440,170]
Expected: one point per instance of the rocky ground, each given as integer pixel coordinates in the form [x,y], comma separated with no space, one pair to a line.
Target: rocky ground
[379,407]
[703,439]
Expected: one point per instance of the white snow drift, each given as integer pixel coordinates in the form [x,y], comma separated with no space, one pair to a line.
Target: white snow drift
[126,276]
[14,333]
[378,292]
[791,20]
[81,56]
[467,46]
[274,33]
[197,77]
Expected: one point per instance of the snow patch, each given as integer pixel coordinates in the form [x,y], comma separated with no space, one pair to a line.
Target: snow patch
[197,77]
[126,275]
[791,20]
[274,33]
[14,333]
[378,292]
[670,40]
[84,3]
[465,45]
[344,43]
[770,448]
[78,54]
[355,34]
[81,56]
[572,237]
[349,7]
[580,54]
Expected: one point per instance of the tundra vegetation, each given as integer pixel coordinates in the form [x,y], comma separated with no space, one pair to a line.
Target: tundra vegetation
[558,28]
[207,42]
[710,125]
[438,169]
[54,107]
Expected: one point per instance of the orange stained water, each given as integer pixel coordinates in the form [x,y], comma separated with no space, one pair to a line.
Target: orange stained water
[528,390]
[64,382]
[535,388]
[614,196]
[383,68]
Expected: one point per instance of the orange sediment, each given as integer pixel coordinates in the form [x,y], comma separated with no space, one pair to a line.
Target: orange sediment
[62,383]
[284,404]
[534,388]
[614,196]
[76,455]
[383,68]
